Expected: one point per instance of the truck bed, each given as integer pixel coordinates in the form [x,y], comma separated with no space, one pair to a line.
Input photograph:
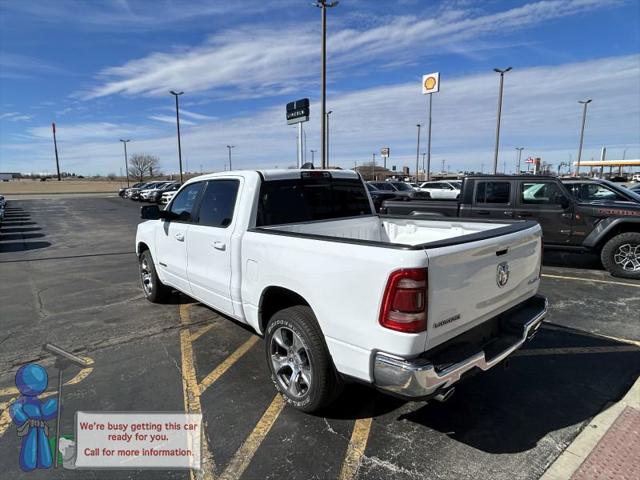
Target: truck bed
[402,232]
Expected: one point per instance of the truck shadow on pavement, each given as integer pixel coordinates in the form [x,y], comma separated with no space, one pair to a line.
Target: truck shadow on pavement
[556,258]
[562,379]
[16,228]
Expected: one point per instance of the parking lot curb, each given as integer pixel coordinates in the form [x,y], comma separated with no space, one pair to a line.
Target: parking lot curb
[575,454]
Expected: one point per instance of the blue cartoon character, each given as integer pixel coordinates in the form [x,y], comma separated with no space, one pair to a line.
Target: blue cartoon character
[30,414]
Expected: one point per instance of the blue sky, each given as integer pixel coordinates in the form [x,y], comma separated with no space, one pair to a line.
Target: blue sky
[102,70]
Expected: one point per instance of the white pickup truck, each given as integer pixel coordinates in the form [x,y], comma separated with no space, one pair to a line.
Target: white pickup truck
[407,304]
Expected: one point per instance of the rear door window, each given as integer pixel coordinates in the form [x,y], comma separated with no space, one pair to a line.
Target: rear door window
[540,193]
[493,192]
[218,203]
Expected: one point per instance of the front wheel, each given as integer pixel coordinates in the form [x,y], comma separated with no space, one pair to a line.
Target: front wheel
[621,255]
[154,290]
[300,364]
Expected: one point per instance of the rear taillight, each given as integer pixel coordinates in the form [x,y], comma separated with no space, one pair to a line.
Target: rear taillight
[404,304]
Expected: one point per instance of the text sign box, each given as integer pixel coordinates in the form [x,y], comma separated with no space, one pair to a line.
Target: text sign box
[138,440]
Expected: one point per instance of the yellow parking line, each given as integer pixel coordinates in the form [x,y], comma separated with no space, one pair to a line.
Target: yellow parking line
[356,448]
[575,350]
[245,453]
[201,331]
[227,363]
[191,393]
[624,284]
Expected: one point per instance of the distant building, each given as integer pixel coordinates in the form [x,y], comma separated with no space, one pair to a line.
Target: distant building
[5,177]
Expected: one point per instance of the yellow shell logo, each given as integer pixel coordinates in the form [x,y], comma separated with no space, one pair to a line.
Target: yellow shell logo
[429,83]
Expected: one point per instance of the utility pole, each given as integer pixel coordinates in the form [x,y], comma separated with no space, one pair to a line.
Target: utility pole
[55,147]
[418,151]
[519,149]
[230,147]
[313,156]
[495,156]
[126,159]
[326,152]
[177,94]
[373,173]
[423,155]
[443,170]
[323,5]
[584,119]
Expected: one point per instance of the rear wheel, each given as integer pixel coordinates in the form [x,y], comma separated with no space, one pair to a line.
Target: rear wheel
[621,255]
[154,289]
[300,364]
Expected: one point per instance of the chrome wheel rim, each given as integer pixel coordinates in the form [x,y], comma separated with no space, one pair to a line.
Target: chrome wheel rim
[146,277]
[291,362]
[627,256]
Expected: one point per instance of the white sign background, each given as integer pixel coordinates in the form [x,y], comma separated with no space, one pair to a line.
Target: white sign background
[436,87]
[91,443]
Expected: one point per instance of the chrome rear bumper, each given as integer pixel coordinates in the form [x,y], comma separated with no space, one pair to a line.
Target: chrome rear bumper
[420,377]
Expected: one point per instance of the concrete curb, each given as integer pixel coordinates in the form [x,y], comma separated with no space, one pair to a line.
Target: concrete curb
[573,456]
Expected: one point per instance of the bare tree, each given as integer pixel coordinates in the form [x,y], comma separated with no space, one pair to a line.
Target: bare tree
[142,165]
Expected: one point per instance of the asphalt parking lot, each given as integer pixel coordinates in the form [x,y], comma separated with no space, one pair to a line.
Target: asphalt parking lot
[68,275]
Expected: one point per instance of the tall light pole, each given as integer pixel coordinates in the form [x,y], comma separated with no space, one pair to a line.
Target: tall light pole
[418,151]
[55,147]
[423,154]
[373,174]
[495,155]
[313,156]
[177,94]
[323,5]
[584,119]
[126,159]
[519,158]
[326,152]
[230,147]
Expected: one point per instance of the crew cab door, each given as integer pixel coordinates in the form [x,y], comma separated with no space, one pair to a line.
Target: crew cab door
[209,250]
[492,199]
[546,202]
[171,237]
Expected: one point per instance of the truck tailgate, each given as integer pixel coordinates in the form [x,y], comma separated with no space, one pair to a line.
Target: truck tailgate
[472,282]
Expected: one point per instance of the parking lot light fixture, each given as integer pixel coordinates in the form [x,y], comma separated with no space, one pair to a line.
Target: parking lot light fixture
[584,119]
[230,147]
[495,155]
[177,94]
[519,149]
[323,5]
[418,151]
[126,160]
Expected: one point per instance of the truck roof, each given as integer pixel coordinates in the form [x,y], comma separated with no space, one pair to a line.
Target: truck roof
[512,177]
[278,173]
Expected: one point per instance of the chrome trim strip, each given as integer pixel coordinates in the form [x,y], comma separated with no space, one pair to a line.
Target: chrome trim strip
[418,378]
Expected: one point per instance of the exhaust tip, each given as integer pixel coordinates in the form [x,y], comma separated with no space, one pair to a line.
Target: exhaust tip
[444,396]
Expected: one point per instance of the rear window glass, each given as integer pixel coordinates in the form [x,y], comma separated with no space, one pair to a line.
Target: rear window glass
[303,200]
[493,192]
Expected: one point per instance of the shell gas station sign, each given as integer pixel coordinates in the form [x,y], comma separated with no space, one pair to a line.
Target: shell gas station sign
[431,83]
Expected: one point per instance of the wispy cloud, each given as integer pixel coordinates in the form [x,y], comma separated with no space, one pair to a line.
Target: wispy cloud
[170,119]
[236,63]
[14,117]
[15,66]
[85,132]
[540,113]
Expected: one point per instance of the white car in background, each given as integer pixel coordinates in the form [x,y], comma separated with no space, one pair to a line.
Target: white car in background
[445,189]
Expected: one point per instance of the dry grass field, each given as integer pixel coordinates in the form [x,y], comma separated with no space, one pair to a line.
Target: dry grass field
[16,187]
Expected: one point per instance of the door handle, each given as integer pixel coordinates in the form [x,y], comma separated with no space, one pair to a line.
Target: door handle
[180,237]
[219,246]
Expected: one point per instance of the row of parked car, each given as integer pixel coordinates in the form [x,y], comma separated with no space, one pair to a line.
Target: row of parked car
[3,203]
[397,190]
[154,192]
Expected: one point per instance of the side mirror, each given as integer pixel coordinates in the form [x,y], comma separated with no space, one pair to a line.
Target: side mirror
[150,212]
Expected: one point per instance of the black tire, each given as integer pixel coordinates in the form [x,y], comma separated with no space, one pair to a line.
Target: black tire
[613,251]
[154,290]
[324,385]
